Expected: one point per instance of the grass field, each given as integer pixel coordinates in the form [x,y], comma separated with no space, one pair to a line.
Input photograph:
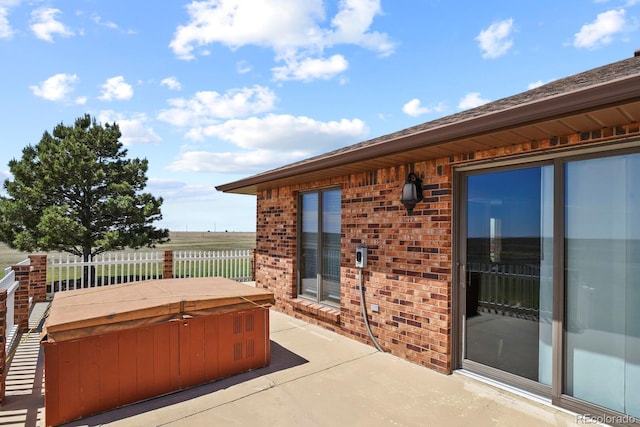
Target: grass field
[180,241]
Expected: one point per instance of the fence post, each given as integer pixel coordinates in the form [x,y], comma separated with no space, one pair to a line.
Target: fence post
[21,297]
[3,341]
[38,278]
[253,264]
[167,265]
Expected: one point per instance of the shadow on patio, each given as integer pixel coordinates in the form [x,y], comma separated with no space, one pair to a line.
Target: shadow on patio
[318,378]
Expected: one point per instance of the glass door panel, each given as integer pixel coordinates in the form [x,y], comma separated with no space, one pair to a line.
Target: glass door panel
[509,271]
[309,245]
[331,225]
[602,239]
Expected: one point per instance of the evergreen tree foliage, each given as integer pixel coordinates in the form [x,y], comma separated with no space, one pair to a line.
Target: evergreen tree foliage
[76,192]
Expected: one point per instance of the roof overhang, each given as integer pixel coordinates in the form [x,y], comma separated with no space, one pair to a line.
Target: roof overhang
[588,109]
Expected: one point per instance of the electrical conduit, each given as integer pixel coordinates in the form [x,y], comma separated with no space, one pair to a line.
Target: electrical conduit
[364,312]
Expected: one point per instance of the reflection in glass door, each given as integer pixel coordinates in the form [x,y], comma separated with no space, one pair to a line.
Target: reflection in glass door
[509,245]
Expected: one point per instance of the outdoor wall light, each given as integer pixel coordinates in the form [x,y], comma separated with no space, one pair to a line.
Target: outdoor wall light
[411,192]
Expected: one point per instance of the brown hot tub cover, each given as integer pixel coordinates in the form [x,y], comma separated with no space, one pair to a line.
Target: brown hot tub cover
[85,312]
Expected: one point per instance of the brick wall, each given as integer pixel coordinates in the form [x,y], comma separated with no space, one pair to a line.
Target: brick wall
[276,244]
[409,263]
[38,278]
[409,272]
[167,265]
[21,297]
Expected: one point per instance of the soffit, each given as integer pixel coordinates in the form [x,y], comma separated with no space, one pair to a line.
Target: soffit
[592,120]
[603,97]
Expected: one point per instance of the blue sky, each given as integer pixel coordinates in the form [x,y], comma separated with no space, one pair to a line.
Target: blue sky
[214,91]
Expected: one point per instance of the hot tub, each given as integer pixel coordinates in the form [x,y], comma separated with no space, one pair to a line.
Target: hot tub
[111,346]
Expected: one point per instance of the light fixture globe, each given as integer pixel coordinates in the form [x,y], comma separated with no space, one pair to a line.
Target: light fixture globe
[411,192]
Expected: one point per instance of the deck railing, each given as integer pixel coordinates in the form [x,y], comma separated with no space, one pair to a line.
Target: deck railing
[506,289]
[10,283]
[67,272]
[233,264]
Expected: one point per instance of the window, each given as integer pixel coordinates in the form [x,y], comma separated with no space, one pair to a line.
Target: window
[319,250]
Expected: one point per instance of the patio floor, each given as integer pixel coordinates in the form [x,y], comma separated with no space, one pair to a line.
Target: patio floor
[316,378]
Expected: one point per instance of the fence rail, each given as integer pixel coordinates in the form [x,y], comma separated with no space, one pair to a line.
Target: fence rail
[67,272]
[10,283]
[506,289]
[233,264]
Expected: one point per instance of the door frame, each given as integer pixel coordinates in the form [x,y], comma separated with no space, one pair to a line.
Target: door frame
[558,158]
[459,290]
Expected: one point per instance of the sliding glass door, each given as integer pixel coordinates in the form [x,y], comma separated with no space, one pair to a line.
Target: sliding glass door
[509,247]
[550,275]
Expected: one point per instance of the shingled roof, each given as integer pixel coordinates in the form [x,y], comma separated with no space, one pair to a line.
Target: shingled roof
[600,88]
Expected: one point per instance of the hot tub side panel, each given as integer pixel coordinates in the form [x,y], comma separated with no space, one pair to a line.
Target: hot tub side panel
[94,374]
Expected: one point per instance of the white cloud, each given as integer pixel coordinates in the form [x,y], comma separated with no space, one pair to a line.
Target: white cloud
[268,142]
[44,24]
[172,83]
[233,162]
[242,67]
[283,132]
[134,129]
[81,100]
[207,107]
[237,23]
[109,24]
[472,100]
[539,83]
[310,69]
[171,189]
[495,41]
[116,88]
[600,32]
[295,37]
[6,32]
[351,25]
[56,87]
[414,108]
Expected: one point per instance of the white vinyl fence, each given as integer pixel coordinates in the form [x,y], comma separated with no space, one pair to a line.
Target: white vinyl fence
[234,264]
[68,272]
[10,283]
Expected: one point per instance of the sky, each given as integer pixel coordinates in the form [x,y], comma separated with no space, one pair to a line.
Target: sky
[214,91]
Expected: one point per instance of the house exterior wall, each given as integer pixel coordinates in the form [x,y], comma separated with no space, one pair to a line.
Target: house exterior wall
[410,258]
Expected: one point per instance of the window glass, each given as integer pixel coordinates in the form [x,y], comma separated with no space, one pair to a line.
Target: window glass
[509,271]
[309,245]
[331,201]
[603,282]
[320,245]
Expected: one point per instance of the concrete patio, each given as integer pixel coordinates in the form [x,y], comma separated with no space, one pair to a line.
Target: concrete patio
[316,378]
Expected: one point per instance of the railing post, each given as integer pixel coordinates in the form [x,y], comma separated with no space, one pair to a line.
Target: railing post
[21,297]
[167,265]
[38,278]
[252,260]
[3,343]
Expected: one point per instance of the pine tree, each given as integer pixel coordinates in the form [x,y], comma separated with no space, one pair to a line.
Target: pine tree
[76,192]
